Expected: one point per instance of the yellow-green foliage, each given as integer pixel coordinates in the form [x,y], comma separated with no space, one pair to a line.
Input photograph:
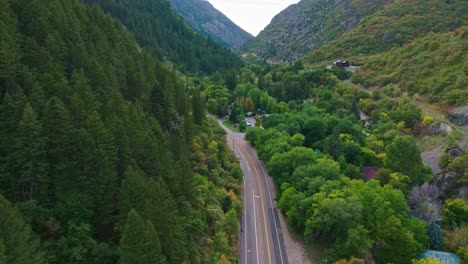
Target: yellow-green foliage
[427,261]
[434,65]
[353,260]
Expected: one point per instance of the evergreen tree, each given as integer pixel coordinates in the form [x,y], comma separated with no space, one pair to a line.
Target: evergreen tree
[188,128]
[3,258]
[99,159]
[58,128]
[9,119]
[30,157]
[9,48]
[184,177]
[161,210]
[154,246]
[436,237]
[198,109]
[139,243]
[133,191]
[21,247]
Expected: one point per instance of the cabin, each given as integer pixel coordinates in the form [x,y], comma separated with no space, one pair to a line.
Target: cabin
[444,257]
[341,64]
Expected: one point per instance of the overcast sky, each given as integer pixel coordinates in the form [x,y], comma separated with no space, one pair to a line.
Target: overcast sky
[251,15]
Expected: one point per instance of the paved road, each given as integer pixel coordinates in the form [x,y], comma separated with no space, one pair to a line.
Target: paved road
[261,236]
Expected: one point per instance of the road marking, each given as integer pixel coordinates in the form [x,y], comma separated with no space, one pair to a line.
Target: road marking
[271,202]
[245,225]
[274,218]
[255,225]
[246,160]
[263,212]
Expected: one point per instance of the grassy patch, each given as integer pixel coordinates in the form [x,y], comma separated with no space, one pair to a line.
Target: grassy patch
[428,143]
[230,125]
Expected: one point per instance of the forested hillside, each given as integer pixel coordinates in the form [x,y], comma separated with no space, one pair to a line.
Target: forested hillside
[105,152]
[435,65]
[157,27]
[347,163]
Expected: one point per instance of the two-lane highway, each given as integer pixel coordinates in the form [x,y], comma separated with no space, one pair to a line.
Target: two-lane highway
[261,236]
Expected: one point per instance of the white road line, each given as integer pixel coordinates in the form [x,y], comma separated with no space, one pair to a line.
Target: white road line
[255,226]
[245,225]
[271,203]
[245,160]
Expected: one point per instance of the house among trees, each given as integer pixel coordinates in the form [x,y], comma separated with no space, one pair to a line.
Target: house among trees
[444,257]
[341,64]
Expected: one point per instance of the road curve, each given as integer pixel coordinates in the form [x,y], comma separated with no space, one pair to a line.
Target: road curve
[261,239]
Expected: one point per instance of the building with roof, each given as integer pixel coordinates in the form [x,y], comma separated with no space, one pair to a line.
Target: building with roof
[444,257]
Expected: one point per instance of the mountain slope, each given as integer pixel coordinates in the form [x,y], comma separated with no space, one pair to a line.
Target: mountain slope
[157,27]
[206,19]
[435,65]
[344,27]
[101,142]
[395,24]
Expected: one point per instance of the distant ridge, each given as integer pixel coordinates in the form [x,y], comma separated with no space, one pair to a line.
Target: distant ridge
[206,19]
[341,28]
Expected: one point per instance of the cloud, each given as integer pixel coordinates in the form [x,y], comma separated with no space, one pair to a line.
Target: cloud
[251,15]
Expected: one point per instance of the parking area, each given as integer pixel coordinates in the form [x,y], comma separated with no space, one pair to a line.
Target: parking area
[250,121]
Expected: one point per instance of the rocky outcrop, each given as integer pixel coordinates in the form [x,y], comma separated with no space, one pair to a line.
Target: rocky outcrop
[459,115]
[206,19]
[304,26]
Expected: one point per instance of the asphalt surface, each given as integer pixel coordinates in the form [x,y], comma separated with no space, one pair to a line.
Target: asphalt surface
[261,239]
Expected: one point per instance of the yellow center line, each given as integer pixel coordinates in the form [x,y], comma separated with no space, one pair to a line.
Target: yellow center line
[263,212]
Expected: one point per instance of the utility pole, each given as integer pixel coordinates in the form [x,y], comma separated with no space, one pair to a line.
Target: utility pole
[233,146]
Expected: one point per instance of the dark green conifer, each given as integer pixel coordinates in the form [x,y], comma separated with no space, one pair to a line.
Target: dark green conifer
[161,210]
[198,109]
[30,157]
[3,259]
[20,245]
[133,191]
[139,243]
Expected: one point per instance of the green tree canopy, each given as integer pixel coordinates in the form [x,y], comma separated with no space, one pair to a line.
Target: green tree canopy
[140,243]
[20,244]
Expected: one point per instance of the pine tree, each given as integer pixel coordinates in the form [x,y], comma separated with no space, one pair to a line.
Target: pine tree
[99,161]
[58,128]
[122,144]
[188,128]
[154,246]
[133,191]
[198,109]
[184,176]
[3,258]
[21,247]
[30,155]
[9,119]
[436,238]
[161,210]
[139,243]
[9,48]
